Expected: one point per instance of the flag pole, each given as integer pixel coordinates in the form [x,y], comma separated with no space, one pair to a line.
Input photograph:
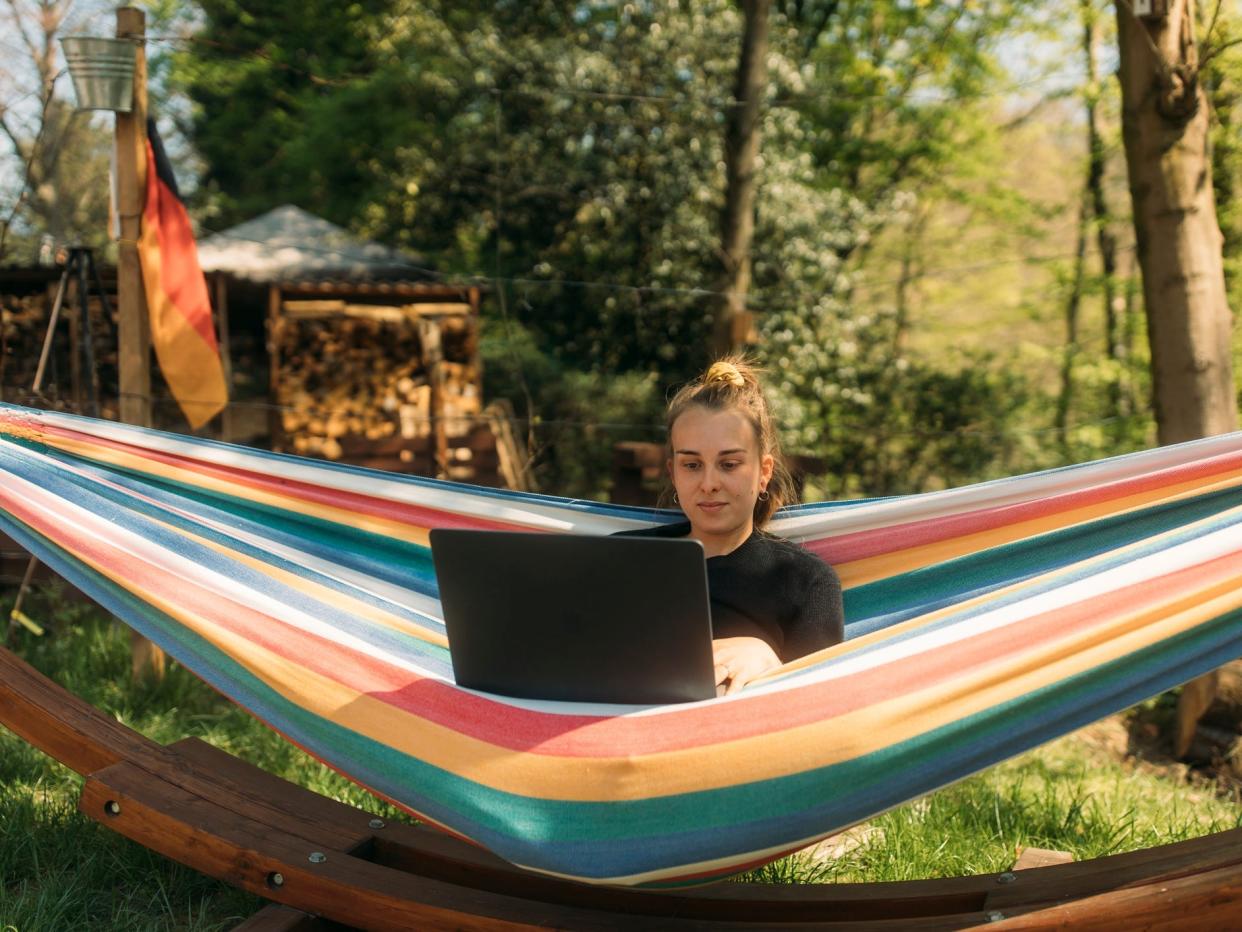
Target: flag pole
[134,335]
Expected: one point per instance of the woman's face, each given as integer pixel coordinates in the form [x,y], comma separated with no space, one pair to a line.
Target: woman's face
[718,473]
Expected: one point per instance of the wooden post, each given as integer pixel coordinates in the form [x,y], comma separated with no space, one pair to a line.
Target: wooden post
[134,331]
[228,430]
[275,333]
[433,356]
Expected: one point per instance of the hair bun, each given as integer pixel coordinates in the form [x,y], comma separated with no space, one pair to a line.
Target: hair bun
[724,372]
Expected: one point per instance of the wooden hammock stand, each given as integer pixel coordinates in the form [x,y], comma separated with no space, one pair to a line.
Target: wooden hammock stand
[331,864]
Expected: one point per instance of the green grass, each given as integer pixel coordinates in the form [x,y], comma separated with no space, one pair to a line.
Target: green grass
[60,870]
[1069,795]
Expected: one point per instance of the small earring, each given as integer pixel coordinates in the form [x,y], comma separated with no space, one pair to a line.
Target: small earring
[763,495]
[676,500]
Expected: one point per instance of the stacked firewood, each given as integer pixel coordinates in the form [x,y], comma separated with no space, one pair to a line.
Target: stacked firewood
[23,322]
[344,381]
[23,329]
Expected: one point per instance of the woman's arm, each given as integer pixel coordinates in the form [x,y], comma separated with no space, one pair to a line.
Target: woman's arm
[821,622]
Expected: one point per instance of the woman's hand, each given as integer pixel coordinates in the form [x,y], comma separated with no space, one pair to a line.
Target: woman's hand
[740,660]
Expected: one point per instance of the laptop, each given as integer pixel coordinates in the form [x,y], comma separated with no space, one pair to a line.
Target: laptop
[576,617]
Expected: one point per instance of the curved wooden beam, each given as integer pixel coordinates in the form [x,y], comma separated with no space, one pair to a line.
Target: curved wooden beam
[235,822]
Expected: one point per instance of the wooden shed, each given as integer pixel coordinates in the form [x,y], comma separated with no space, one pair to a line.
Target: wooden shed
[350,350]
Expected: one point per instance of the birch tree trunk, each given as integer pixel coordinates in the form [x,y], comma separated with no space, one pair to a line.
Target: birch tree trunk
[1165,122]
[731,322]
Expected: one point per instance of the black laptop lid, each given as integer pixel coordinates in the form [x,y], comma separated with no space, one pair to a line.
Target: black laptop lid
[574,617]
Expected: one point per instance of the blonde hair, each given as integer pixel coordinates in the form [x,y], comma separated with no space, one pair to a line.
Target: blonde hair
[732,383]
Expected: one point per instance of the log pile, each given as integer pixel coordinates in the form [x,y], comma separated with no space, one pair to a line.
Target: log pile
[23,322]
[357,382]
[23,327]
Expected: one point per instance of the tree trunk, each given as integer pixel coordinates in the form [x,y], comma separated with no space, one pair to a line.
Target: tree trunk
[1106,242]
[731,322]
[1165,122]
[1070,355]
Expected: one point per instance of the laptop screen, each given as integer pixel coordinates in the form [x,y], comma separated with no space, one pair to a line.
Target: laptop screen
[576,617]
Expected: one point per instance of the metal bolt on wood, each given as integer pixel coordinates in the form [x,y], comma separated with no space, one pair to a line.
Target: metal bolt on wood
[317,857]
[275,879]
[112,807]
[995,916]
[1007,877]
[376,823]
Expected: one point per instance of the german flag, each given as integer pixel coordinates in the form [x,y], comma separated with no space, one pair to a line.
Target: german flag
[182,331]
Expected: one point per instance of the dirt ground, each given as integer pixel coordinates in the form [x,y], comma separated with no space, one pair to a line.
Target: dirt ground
[1140,738]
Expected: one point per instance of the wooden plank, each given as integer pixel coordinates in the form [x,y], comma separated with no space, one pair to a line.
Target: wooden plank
[438,309]
[318,309]
[1029,858]
[1207,901]
[1152,866]
[60,724]
[221,843]
[422,291]
[277,918]
[313,307]
[432,853]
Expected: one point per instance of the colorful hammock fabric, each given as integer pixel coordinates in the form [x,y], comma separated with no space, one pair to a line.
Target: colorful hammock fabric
[981,622]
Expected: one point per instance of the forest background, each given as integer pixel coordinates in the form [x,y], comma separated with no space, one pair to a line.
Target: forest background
[941,187]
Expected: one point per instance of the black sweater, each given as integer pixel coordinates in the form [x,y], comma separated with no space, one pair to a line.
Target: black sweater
[771,589]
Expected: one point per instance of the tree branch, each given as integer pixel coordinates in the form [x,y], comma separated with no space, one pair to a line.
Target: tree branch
[18,24]
[1210,53]
[7,224]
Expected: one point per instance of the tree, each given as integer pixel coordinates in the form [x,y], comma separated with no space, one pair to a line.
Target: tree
[573,157]
[742,139]
[276,115]
[1166,123]
[61,158]
[1166,127]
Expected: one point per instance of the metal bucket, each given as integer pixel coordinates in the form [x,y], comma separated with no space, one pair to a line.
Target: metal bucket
[102,72]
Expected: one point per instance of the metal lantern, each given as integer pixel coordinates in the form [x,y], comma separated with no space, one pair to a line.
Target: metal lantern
[102,72]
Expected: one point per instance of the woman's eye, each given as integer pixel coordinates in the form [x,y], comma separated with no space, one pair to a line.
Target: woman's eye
[728,464]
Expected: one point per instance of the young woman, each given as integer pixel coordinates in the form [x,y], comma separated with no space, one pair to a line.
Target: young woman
[771,600]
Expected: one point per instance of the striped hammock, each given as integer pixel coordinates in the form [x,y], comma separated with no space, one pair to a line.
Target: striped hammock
[981,622]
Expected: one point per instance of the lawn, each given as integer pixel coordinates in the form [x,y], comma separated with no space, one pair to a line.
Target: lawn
[60,870]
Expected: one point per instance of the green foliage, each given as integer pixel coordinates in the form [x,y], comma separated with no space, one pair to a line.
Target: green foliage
[275,117]
[571,156]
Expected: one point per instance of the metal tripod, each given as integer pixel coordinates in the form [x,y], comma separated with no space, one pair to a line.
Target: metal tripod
[81,262]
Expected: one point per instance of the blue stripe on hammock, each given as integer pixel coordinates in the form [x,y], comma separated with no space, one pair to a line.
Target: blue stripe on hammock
[975,573]
[406,565]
